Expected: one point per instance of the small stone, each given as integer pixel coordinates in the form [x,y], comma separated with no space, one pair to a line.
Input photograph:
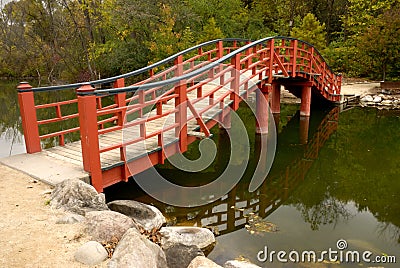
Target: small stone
[91,253]
[377,99]
[240,264]
[70,219]
[46,192]
[203,262]
[367,98]
[189,236]
[387,102]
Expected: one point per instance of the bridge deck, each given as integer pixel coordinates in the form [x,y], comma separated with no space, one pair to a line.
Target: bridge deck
[56,164]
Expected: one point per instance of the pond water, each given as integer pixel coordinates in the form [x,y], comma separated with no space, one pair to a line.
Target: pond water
[342,181]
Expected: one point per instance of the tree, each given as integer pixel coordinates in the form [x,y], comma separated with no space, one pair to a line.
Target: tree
[379,45]
[311,31]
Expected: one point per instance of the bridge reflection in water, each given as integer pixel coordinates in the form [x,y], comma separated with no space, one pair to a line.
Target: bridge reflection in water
[232,211]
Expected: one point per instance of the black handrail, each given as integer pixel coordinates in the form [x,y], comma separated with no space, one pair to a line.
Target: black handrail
[135,72]
[205,68]
[166,60]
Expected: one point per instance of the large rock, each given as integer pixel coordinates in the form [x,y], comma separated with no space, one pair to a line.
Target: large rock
[91,253]
[189,236]
[203,262]
[144,215]
[104,226]
[240,264]
[134,250]
[77,196]
[179,255]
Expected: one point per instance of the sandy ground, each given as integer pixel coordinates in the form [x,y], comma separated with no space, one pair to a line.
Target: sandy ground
[360,89]
[30,236]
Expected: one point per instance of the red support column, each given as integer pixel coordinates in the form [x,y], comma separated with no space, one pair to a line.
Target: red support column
[262,110]
[29,119]
[181,105]
[276,98]
[304,126]
[305,101]
[89,136]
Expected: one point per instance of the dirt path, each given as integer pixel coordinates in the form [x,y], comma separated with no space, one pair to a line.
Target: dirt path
[30,236]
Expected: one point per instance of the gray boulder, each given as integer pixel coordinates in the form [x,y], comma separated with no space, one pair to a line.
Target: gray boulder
[179,255]
[134,250]
[203,262]
[144,215]
[91,253]
[240,264]
[189,236]
[77,196]
[105,226]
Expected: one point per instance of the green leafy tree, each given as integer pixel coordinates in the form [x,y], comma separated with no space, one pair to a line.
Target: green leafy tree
[312,31]
[379,45]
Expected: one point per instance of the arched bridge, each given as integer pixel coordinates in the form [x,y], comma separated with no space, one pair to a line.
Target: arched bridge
[114,130]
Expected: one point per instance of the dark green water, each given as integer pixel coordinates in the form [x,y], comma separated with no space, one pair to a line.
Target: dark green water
[343,184]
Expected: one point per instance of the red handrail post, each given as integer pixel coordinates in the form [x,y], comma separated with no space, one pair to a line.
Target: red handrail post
[294,57]
[235,62]
[89,135]
[29,118]
[120,100]
[181,105]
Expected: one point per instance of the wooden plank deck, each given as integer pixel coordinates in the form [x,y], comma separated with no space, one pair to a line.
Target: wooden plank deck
[72,152]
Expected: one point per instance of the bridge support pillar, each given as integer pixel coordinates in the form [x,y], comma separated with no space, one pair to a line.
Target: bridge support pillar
[276,99]
[305,109]
[304,126]
[262,110]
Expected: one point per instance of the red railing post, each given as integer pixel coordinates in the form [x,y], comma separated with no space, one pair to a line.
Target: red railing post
[271,60]
[29,118]
[181,105]
[120,101]
[294,58]
[235,62]
[89,135]
[220,49]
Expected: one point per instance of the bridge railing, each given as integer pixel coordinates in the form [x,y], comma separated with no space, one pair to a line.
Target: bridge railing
[54,119]
[230,63]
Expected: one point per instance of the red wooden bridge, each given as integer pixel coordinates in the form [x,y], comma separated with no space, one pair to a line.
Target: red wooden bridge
[122,127]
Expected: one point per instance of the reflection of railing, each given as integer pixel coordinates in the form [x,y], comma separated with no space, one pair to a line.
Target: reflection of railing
[231,212]
[191,85]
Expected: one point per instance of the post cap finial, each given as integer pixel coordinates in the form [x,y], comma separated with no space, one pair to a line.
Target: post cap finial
[86,87]
[24,86]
